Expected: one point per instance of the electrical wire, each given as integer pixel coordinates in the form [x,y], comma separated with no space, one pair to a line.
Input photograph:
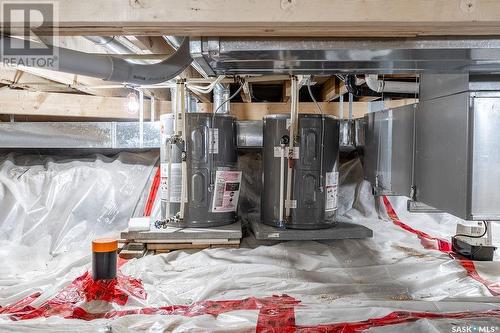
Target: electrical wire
[321,180]
[212,130]
[205,89]
[318,107]
[230,98]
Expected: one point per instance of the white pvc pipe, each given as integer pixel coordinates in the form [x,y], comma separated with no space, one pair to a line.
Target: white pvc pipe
[380,86]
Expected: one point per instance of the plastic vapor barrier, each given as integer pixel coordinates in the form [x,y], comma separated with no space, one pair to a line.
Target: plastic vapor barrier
[401,280]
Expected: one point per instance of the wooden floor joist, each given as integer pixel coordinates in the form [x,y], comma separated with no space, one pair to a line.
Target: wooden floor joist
[279,17]
[255,111]
[23,102]
[27,103]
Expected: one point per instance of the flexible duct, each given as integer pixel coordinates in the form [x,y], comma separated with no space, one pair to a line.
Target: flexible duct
[114,46]
[112,68]
[380,86]
[109,43]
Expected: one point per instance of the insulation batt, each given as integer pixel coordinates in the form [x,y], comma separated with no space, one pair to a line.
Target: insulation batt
[50,209]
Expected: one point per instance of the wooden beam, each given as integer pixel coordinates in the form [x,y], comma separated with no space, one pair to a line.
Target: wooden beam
[331,89]
[279,18]
[15,78]
[79,82]
[246,95]
[287,91]
[22,102]
[255,111]
[368,98]
[204,98]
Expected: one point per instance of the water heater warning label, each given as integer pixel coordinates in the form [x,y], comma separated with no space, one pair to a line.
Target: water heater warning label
[175,182]
[295,152]
[226,192]
[331,186]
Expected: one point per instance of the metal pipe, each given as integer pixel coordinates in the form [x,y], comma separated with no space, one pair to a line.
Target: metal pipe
[152,109]
[221,98]
[341,107]
[282,180]
[141,118]
[111,68]
[292,131]
[175,110]
[351,99]
[175,42]
[110,43]
[192,103]
[380,86]
[181,104]
[169,177]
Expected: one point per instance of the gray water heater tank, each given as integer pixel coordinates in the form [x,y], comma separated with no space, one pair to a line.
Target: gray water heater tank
[314,196]
[203,160]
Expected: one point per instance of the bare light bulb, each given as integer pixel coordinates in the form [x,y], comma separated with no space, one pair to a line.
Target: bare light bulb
[132,103]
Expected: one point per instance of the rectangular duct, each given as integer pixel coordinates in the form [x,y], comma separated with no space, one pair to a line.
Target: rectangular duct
[457,145]
[328,56]
[389,150]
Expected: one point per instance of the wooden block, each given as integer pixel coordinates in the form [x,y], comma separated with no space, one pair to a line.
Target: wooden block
[135,246]
[161,251]
[178,246]
[225,246]
[130,254]
[189,241]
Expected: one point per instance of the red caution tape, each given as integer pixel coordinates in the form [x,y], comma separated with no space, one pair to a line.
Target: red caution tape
[435,244]
[83,289]
[277,317]
[276,313]
[152,193]
[21,306]
[468,265]
[430,242]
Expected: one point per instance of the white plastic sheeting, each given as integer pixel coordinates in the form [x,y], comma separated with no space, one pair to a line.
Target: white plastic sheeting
[326,283]
[52,207]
